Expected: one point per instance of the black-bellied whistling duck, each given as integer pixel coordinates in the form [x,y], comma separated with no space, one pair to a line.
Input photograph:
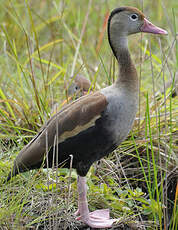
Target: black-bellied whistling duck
[80,86]
[94,125]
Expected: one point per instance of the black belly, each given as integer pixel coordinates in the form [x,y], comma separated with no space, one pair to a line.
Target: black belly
[86,147]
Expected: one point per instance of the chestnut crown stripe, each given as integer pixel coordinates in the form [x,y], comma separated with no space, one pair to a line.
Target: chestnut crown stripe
[120,9]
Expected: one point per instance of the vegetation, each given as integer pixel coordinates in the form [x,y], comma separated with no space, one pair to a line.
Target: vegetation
[43,44]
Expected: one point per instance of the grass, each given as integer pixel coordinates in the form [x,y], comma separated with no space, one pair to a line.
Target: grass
[43,44]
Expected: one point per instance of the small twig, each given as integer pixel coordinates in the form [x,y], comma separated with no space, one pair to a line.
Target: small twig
[165,110]
[56,147]
[69,181]
[53,166]
[47,162]
[140,74]
[166,58]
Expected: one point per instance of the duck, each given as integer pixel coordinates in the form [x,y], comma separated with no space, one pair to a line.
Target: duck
[91,127]
[79,87]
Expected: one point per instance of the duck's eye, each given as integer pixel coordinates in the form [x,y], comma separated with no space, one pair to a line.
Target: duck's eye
[134,17]
[76,87]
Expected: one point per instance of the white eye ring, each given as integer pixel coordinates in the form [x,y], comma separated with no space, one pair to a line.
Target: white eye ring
[134,17]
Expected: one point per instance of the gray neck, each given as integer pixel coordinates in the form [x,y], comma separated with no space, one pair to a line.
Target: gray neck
[127,72]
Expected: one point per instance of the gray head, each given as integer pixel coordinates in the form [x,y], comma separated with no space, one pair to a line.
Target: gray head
[125,21]
[129,20]
[79,86]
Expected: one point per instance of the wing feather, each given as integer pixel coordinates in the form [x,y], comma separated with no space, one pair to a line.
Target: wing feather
[69,121]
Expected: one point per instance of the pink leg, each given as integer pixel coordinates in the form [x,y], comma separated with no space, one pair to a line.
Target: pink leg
[96,219]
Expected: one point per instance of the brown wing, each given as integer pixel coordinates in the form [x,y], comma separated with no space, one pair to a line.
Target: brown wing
[68,122]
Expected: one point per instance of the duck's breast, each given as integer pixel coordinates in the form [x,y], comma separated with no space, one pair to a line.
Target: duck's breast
[120,112]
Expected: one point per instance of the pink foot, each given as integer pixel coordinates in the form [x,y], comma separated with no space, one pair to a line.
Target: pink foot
[77,212]
[98,219]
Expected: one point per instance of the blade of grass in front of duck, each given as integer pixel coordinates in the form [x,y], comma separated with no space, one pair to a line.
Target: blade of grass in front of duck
[147,151]
[162,197]
[94,80]
[174,214]
[147,110]
[156,59]
[157,131]
[105,70]
[142,166]
[166,152]
[112,69]
[147,182]
[155,173]
[174,222]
